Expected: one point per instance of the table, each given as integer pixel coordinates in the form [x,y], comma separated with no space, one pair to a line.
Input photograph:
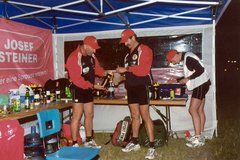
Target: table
[24,114]
[63,106]
[167,103]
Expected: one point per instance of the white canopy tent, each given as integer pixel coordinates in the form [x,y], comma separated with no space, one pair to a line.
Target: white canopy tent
[72,20]
[106,117]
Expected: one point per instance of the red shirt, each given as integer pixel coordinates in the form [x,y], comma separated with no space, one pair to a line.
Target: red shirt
[144,61]
[75,69]
[139,63]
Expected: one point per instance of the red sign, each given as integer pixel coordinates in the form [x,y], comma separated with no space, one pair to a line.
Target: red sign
[25,55]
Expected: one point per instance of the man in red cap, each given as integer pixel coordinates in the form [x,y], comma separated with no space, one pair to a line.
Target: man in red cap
[137,71]
[82,66]
[196,79]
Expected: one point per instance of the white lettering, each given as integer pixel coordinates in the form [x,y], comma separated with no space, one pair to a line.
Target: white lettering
[26,46]
[42,73]
[15,57]
[25,76]
[30,58]
[11,79]
[34,58]
[7,45]
[2,81]
[31,46]
[2,58]
[8,54]
[18,57]
[24,58]
[14,45]
[20,45]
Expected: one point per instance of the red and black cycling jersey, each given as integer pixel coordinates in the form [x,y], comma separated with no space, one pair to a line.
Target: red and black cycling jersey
[88,68]
[139,63]
[83,68]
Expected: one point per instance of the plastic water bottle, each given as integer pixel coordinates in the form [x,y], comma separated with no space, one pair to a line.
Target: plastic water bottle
[17,105]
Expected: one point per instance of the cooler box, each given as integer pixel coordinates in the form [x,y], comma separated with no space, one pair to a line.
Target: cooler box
[179,90]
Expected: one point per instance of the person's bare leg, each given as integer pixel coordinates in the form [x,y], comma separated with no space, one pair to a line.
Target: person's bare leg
[135,114]
[77,114]
[193,110]
[202,115]
[88,118]
[144,109]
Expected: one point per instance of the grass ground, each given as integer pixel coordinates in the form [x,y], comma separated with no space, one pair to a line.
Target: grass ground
[224,147]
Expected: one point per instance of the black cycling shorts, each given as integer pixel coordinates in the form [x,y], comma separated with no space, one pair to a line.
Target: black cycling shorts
[138,94]
[201,91]
[80,95]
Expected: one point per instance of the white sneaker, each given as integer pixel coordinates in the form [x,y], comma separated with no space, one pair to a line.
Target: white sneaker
[192,138]
[196,142]
[131,147]
[75,145]
[202,139]
[151,153]
[91,144]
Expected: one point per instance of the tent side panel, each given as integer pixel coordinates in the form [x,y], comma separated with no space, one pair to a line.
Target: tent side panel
[180,118]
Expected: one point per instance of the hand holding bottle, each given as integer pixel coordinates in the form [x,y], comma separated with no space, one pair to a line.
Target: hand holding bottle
[117,78]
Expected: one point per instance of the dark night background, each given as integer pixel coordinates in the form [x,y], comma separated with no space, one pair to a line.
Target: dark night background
[228,51]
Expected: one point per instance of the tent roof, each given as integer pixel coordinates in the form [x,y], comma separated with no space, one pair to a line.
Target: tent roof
[76,16]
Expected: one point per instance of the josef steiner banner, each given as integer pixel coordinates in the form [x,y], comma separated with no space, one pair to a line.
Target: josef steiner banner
[25,55]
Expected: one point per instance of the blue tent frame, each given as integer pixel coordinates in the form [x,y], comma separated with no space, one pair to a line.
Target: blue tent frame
[78,16]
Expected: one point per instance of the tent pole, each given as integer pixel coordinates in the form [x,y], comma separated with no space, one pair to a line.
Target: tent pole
[54,24]
[214,71]
[70,4]
[101,6]
[75,11]
[187,2]
[130,7]
[170,16]
[94,7]
[120,17]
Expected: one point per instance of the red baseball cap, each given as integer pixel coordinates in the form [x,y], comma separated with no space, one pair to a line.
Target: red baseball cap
[91,41]
[127,33]
[170,55]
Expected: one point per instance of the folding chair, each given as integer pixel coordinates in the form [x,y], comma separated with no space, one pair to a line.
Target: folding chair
[50,124]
